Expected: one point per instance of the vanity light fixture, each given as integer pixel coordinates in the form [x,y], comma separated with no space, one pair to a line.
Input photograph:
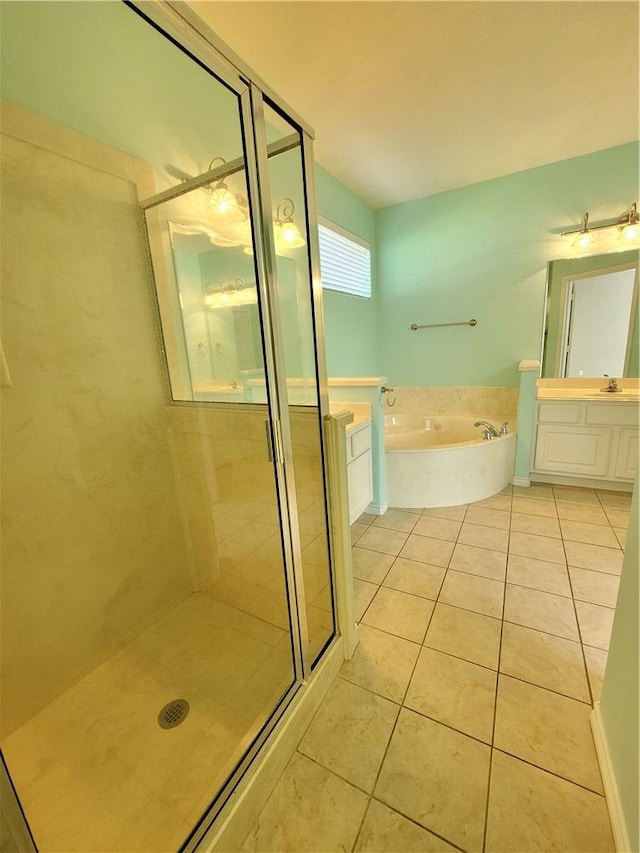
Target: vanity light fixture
[287,235]
[627,226]
[227,295]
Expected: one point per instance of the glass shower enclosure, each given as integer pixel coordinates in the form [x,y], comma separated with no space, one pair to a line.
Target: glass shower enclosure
[167,581]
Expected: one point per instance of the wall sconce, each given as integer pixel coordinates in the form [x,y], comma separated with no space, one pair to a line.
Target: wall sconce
[628,228]
[222,201]
[287,235]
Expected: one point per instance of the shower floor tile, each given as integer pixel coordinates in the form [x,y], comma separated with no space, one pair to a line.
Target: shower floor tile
[95,771]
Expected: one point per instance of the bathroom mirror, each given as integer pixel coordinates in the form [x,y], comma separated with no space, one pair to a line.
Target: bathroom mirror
[591,327]
[218,307]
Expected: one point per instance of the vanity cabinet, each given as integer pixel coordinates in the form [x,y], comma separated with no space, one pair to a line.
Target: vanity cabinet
[595,440]
[359,471]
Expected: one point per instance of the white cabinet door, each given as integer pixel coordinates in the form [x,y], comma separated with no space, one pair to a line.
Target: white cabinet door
[582,451]
[627,457]
[360,485]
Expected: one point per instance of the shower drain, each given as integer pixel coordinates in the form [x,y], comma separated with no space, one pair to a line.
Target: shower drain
[173,713]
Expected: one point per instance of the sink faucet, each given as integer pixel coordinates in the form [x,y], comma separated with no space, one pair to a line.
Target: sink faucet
[612,387]
[490,430]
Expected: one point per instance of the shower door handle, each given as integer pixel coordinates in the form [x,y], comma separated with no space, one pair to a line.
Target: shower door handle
[274,440]
[269,437]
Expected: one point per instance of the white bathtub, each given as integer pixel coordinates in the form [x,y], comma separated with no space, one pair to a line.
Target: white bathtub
[444,461]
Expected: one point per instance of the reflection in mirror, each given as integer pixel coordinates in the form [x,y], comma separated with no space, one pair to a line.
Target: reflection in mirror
[591,329]
[218,303]
[206,284]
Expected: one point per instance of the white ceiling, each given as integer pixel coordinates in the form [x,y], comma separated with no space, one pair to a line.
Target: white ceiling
[413,98]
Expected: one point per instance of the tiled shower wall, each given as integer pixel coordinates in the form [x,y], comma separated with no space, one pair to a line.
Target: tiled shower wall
[93,547]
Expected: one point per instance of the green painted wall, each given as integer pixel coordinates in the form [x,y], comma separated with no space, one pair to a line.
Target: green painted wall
[621,689]
[481,252]
[135,92]
[351,322]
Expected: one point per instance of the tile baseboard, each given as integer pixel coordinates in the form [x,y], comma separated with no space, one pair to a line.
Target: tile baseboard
[609,783]
[377,509]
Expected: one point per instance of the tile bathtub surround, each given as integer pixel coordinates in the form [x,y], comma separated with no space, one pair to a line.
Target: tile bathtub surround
[499,402]
[462,721]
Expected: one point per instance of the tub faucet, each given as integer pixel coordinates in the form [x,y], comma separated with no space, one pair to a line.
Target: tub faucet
[490,430]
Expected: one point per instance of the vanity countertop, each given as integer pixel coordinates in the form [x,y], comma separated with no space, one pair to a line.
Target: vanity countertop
[592,395]
[589,390]
[361,412]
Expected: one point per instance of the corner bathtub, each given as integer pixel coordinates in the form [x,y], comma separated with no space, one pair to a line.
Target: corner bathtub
[444,461]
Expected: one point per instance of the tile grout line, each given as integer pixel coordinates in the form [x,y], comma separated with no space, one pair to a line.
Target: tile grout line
[582,643]
[547,771]
[575,612]
[495,702]
[386,750]
[402,705]
[386,575]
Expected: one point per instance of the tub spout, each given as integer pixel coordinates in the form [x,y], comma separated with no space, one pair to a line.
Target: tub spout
[489,428]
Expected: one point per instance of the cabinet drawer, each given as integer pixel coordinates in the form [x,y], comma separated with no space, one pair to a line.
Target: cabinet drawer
[616,414]
[358,441]
[583,451]
[559,413]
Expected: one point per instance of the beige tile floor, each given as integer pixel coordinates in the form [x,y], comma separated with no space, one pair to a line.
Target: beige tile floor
[462,722]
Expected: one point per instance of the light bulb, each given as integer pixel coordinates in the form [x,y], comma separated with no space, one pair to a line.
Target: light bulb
[631,232]
[289,235]
[584,239]
[222,199]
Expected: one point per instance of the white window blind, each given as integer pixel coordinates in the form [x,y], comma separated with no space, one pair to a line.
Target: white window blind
[345,261]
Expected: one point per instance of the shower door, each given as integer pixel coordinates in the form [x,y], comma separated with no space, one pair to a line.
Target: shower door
[288,186]
[166,580]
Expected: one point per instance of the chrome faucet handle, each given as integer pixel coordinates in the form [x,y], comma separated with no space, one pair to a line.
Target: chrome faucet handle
[503,428]
[487,435]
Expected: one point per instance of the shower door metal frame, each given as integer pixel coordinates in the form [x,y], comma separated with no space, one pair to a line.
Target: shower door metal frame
[315,282]
[277,403]
[176,21]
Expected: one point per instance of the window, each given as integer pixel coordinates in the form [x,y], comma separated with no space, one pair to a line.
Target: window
[345,261]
